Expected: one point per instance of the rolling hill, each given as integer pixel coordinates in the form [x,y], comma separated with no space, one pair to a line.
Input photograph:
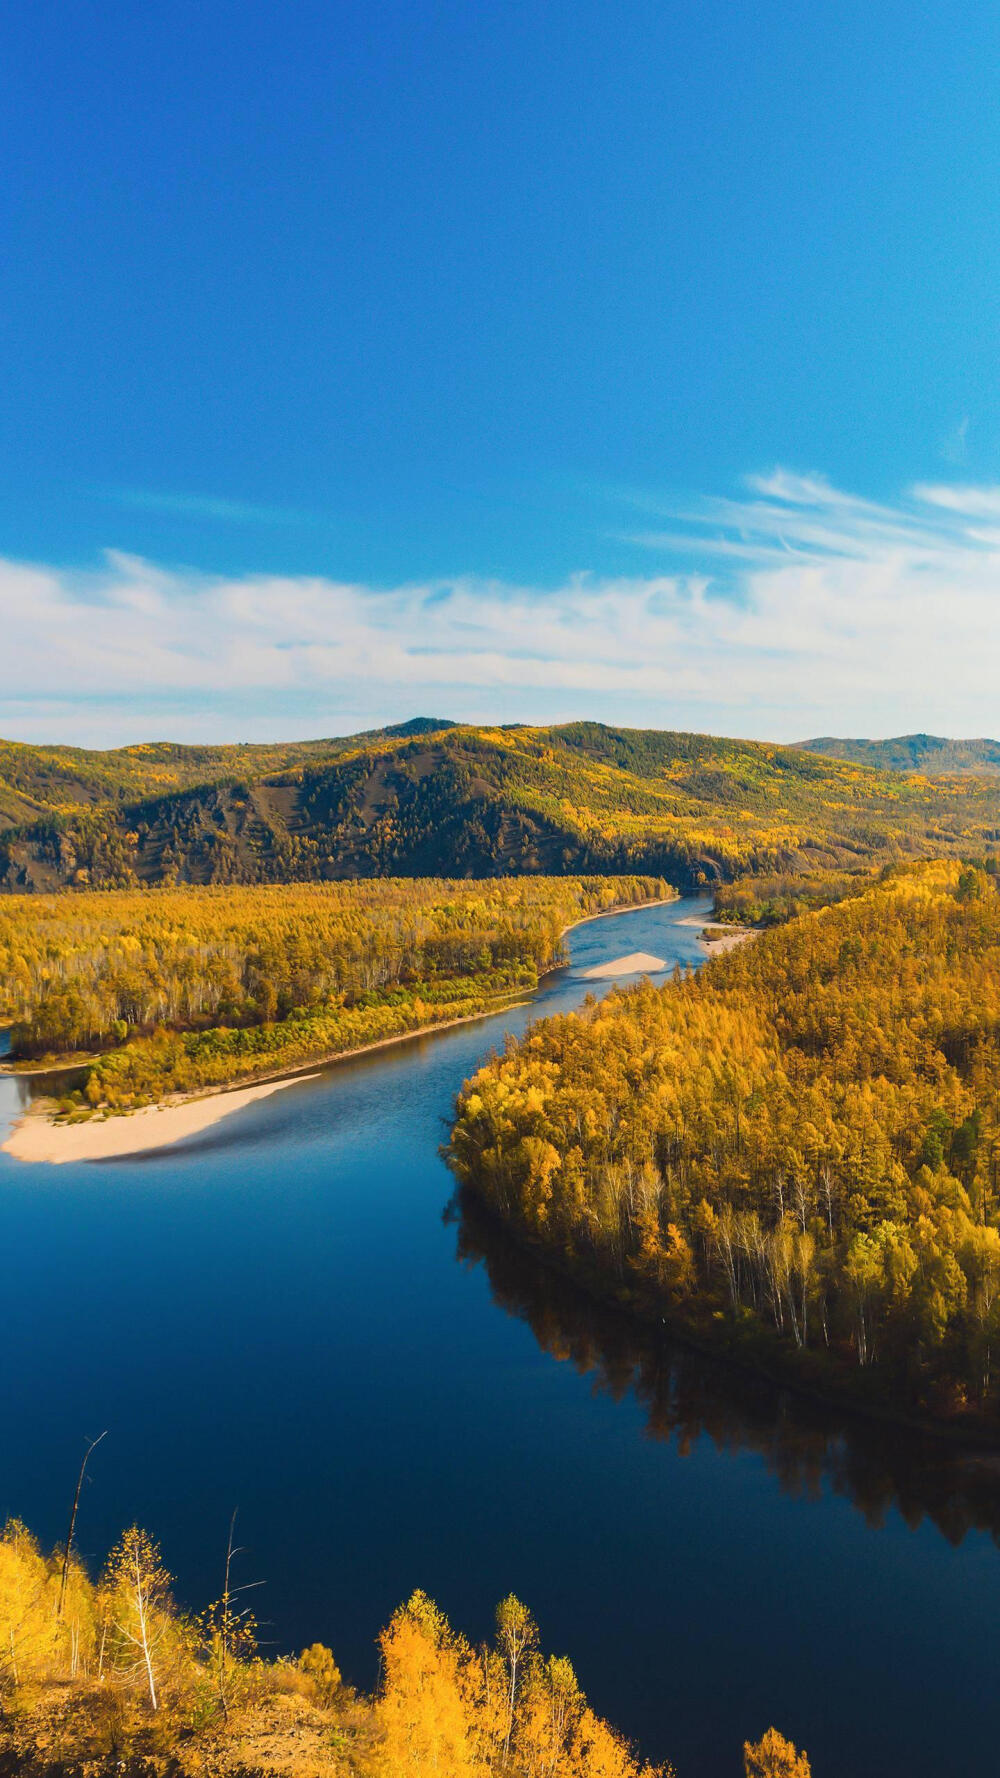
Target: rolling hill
[429,798]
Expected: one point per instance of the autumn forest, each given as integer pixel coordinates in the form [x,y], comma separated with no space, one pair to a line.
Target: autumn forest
[190,988]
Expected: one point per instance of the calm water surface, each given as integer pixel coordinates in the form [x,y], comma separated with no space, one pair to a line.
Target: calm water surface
[291,1314]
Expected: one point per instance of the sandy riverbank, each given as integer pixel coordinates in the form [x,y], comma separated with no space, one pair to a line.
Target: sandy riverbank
[635,963]
[727,941]
[36,1138]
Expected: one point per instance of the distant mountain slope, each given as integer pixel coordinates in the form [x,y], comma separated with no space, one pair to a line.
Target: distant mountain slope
[931,754]
[35,780]
[464,801]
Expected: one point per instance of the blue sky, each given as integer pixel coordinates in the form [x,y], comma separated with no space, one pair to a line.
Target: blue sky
[491,360]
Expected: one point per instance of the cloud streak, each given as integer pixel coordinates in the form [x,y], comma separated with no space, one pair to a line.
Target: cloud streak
[202,506]
[793,609]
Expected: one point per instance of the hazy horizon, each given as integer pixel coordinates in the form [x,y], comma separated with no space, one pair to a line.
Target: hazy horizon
[289,737]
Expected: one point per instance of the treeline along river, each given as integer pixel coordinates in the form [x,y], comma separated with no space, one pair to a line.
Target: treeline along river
[293,1314]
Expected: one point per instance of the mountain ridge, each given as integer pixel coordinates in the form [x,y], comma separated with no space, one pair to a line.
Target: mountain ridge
[466,800]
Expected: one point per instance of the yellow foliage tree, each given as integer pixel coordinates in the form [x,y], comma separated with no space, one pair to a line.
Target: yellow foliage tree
[597,1751]
[774,1757]
[422,1710]
[138,1588]
[30,1637]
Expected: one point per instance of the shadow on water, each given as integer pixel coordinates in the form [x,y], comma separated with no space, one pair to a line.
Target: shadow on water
[686,1396]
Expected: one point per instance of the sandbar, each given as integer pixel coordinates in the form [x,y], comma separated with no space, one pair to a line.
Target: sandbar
[718,938]
[636,963]
[37,1138]
[727,941]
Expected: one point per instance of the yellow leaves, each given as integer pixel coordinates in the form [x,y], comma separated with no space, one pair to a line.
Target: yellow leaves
[31,1639]
[74,970]
[678,1263]
[807,1132]
[541,1160]
[533,1102]
[597,1751]
[774,1757]
[548,1709]
[421,1709]
[146,1636]
[446,1711]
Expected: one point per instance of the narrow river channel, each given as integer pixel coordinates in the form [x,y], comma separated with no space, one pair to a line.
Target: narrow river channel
[290,1314]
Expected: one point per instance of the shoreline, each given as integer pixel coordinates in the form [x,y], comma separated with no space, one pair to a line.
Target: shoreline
[627,907]
[36,1136]
[720,936]
[723,942]
[759,1357]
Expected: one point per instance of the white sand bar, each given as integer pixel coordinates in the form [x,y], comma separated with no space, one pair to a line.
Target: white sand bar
[718,938]
[636,963]
[727,941]
[37,1138]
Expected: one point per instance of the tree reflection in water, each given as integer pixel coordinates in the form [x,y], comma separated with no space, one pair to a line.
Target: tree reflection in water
[806,1445]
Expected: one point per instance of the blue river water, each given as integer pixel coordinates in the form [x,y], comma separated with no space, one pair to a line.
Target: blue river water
[290,1314]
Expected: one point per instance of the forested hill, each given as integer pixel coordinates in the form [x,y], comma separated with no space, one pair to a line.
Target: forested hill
[930,754]
[430,799]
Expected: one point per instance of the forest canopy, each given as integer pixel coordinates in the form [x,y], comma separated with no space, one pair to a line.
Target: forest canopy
[796,1150]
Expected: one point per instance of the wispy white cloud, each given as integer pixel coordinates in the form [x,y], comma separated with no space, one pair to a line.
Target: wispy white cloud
[970,502]
[793,609]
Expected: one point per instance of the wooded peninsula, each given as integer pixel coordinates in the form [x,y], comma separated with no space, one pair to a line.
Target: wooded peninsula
[794,1153]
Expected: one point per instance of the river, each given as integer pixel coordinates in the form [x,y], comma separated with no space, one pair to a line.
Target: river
[291,1314]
